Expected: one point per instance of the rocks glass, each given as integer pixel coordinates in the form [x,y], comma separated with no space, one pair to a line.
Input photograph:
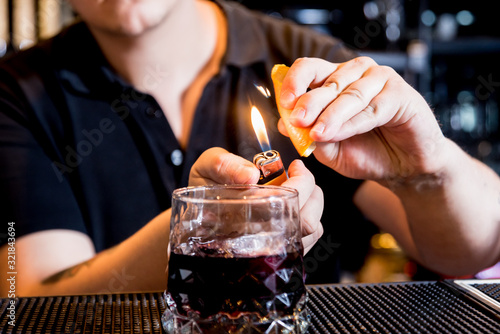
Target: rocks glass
[236,261]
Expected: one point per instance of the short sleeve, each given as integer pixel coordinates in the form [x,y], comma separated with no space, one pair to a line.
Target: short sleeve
[33,194]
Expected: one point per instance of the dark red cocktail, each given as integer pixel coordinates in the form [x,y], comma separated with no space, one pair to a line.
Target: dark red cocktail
[236,265]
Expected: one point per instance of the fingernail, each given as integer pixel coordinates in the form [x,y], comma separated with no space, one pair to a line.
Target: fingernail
[319,128]
[287,98]
[299,113]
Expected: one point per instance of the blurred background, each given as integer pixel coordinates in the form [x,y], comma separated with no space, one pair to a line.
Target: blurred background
[447,50]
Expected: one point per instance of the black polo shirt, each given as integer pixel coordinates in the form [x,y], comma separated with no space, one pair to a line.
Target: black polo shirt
[81,149]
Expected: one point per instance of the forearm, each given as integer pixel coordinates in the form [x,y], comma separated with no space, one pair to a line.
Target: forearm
[454,215]
[136,264]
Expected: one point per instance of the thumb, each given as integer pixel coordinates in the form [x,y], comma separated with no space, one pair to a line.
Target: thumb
[218,166]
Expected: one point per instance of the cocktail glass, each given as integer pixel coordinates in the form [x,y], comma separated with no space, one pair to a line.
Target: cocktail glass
[236,261]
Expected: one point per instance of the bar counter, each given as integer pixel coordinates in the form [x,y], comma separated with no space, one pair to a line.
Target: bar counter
[449,306]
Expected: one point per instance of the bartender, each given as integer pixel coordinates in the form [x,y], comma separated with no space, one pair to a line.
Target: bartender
[102,122]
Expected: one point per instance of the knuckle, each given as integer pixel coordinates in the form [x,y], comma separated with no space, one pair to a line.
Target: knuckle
[388,70]
[312,179]
[310,225]
[308,61]
[318,198]
[355,93]
[306,226]
[364,61]
[378,71]
[320,231]
[332,82]
[310,105]
[370,110]
[301,61]
[222,164]
[381,105]
[368,118]
[318,193]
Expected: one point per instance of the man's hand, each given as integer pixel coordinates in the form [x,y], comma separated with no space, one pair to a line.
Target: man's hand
[217,166]
[367,121]
[370,124]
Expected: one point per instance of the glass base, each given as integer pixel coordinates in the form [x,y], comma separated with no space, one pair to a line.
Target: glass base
[296,323]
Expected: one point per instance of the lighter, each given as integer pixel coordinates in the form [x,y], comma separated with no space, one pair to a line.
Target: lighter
[271,168]
[269,161]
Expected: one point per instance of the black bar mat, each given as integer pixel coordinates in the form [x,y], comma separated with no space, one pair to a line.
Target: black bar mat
[413,307]
[416,307]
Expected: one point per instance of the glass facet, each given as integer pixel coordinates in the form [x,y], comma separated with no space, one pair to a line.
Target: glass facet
[236,261]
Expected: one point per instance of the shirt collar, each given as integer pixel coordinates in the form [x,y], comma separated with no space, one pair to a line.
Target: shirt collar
[86,71]
[83,67]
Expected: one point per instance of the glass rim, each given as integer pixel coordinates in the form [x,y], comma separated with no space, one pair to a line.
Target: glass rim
[281,193]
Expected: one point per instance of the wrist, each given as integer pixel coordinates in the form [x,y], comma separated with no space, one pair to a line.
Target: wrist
[431,171]
[417,184]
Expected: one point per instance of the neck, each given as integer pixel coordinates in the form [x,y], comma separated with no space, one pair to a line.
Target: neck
[172,61]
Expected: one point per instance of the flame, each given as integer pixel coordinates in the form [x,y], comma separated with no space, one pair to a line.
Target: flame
[260,129]
[264,91]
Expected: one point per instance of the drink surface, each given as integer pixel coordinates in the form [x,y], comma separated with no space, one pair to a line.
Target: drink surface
[270,285]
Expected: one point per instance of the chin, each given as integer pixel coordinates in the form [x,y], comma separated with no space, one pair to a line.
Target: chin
[135,26]
[129,19]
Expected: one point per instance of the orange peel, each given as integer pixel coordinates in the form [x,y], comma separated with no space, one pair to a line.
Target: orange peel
[299,136]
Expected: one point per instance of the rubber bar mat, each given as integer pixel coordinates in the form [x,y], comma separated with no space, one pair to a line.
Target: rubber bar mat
[414,307]
[489,288]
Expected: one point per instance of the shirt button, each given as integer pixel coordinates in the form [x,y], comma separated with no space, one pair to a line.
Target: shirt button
[176,157]
[153,112]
